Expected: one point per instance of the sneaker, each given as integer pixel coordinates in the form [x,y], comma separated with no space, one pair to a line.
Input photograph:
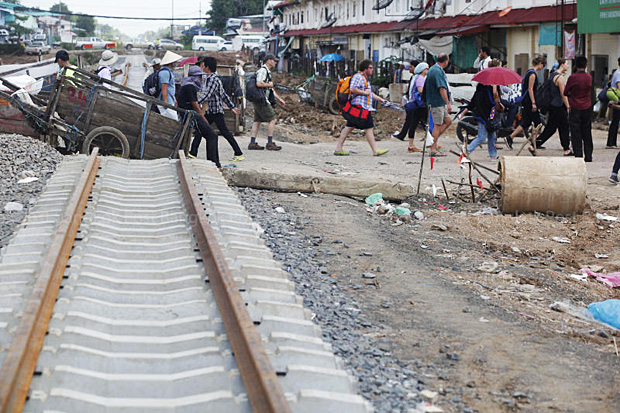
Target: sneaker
[271,146]
[614,179]
[237,158]
[255,147]
[496,159]
[413,149]
[190,156]
[397,136]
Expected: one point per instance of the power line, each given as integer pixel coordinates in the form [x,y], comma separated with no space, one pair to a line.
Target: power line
[24,9]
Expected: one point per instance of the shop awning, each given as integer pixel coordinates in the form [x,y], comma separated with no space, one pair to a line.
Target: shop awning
[463,30]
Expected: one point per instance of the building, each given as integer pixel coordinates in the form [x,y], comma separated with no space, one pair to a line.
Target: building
[515,30]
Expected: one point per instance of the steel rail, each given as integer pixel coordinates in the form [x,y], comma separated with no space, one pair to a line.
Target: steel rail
[259,377]
[23,352]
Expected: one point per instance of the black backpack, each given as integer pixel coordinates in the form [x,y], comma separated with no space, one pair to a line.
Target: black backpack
[544,94]
[151,85]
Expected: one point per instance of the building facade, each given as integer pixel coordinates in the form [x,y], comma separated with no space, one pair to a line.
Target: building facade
[514,30]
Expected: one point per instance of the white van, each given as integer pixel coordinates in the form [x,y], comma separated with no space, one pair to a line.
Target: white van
[255,42]
[210,43]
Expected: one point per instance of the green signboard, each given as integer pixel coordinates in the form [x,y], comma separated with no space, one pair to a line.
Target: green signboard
[598,16]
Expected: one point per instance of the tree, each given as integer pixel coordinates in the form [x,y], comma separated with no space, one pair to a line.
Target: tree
[87,24]
[60,8]
[222,10]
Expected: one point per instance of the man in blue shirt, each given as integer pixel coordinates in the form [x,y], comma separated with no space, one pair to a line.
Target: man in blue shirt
[438,98]
[168,87]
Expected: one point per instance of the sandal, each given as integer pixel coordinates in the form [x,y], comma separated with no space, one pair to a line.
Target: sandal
[341,153]
[532,150]
[569,153]
[437,154]
[381,152]
[413,149]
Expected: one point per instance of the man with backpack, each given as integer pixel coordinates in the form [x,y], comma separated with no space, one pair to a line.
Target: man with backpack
[558,109]
[167,84]
[263,108]
[150,84]
[578,88]
[612,134]
[215,96]
[361,99]
[529,84]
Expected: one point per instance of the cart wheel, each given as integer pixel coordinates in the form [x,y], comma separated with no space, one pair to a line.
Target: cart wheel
[333,106]
[109,140]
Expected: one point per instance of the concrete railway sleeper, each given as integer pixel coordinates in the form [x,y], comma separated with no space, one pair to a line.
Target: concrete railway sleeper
[162,297]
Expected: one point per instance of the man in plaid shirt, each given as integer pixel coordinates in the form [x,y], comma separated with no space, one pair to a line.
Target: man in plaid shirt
[361,93]
[214,95]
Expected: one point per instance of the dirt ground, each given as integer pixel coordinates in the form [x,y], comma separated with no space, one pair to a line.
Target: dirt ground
[487,337]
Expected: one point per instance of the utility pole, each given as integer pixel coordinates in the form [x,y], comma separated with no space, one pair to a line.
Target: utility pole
[172,23]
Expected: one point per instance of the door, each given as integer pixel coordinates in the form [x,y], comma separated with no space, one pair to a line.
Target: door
[522,63]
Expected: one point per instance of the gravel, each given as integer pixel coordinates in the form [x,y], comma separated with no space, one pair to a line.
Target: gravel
[388,383]
[22,157]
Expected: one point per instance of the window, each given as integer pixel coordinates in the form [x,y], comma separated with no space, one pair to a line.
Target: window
[354,9]
[347,11]
[302,17]
[363,7]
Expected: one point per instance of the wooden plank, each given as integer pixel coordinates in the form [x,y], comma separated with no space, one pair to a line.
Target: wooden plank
[306,183]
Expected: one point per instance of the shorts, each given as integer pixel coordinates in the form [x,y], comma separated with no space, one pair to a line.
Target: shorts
[439,113]
[369,124]
[528,117]
[263,112]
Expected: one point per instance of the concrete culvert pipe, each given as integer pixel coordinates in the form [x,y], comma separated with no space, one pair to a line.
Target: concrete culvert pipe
[546,185]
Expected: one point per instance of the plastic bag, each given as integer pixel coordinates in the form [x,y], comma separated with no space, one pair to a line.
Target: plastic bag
[374,198]
[402,211]
[607,311]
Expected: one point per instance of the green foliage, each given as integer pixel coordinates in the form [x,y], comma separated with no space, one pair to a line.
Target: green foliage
[222,10]
[86,23]
[11,49]
[383,72]
[60,8]
[67,46]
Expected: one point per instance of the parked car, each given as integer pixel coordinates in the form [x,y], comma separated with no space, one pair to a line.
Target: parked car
[139,44]
[210,43]
[93,43]
[227,46]
[254,42]
[37,48]
[167,44]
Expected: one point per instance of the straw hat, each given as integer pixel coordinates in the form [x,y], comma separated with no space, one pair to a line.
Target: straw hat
[170,57]
[108,58]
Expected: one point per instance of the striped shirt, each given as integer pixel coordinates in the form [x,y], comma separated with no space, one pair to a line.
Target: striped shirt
[358,81]
[214,94]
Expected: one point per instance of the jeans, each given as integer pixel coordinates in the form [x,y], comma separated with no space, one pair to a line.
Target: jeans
[482,137]
[218,119]
[557,120]
[616,167]
[581,133]
[511,112]
[205,131]
[612,135]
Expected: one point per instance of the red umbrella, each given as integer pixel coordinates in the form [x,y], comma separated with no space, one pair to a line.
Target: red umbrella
[497,76]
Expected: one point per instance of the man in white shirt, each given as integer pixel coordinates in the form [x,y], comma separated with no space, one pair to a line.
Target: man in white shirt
[483,59]
[104,71]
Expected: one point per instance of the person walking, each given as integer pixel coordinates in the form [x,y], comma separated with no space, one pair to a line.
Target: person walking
[614,171]
[405,128]
[415,108]
[483,59]
[104,71]
[558,110]
[362,96]
[215,96]
[529,113]
[263,111]
[167,84]
[438,98]
[483,104]
[612,134]
[188,100]
[578,89]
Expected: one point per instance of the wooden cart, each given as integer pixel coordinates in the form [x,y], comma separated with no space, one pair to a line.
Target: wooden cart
[85,111]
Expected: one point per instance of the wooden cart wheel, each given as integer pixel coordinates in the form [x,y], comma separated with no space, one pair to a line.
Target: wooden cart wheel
[109,140]
[333,106]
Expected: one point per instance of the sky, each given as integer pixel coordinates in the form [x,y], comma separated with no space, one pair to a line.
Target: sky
[132,8]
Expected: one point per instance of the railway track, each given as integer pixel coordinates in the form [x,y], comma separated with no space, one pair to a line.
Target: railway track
[144,286]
